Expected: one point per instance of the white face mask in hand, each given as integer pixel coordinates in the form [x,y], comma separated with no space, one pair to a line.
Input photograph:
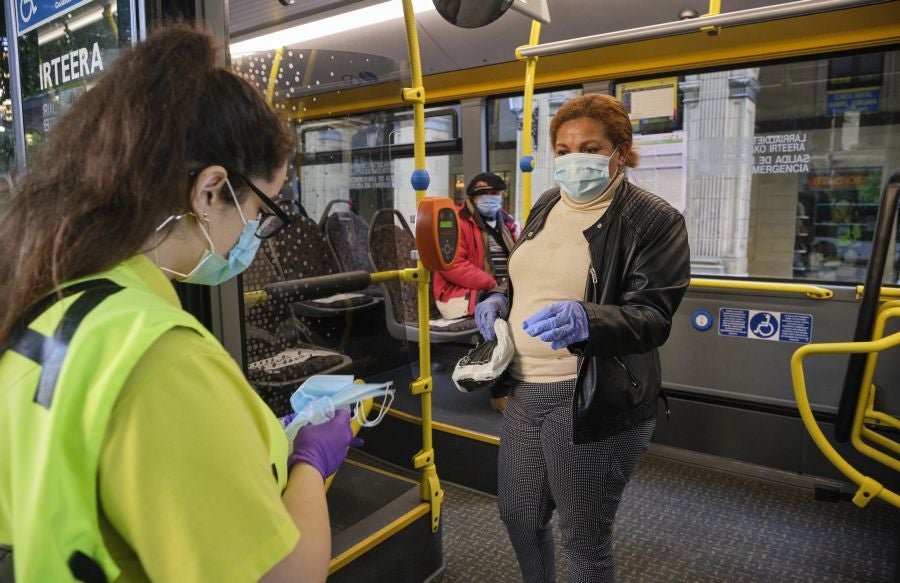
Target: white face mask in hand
[582,177]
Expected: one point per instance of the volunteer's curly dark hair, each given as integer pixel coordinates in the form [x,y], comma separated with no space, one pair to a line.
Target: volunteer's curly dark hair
[119,162]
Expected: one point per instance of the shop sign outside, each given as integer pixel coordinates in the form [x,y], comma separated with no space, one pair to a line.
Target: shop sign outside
[65,47]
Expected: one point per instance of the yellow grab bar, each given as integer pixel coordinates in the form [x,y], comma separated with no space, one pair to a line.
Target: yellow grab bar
[868,487]
[273,75]
[884,293]
[865,408]
[429,485]
[813,291]
[528,94]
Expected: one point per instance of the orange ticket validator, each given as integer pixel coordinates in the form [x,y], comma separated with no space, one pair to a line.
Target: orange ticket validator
[437,232]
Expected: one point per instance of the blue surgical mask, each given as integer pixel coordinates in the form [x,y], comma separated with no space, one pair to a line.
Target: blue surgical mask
[320,396]
[488,204]
[582,177]
[213,268]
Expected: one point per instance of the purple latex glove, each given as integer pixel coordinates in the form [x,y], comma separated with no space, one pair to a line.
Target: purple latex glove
[324,446]
[561,324]
[489,309]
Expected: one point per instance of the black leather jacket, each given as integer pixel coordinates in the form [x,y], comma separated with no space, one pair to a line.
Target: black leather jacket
[640,269]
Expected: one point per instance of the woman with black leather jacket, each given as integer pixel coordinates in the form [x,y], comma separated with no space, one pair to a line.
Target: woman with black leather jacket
[613,265]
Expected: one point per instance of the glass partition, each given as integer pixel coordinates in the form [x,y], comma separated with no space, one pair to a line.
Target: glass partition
[368,160]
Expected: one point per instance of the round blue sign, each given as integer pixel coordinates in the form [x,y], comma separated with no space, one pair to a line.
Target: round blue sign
[701,320]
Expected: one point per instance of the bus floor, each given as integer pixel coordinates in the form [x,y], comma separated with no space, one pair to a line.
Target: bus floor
[677,521]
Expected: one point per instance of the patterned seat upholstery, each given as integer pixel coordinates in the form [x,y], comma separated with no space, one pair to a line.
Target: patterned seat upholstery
[279,359]
[302,250]
[347,234]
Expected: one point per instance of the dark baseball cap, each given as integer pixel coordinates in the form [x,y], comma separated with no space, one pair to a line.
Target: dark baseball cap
[484,183]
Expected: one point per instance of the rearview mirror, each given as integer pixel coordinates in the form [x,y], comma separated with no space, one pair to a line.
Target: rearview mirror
[478,13]
[471,13]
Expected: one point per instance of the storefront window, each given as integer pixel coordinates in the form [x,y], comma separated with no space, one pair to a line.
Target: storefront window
[62,57]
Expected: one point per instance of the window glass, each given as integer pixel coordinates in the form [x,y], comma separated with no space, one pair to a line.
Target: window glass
[7,131]
[368,160]
[778,169]
[504,142]
[64,57]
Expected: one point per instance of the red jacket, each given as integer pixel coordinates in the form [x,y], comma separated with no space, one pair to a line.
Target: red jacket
[468,275]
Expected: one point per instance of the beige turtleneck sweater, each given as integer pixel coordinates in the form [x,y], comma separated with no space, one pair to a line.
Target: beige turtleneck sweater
[552,268]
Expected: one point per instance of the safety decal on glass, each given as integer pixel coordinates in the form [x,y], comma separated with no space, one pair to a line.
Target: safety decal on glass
[763,325]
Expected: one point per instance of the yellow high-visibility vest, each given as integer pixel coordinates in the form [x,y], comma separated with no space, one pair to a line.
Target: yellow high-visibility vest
[60,375]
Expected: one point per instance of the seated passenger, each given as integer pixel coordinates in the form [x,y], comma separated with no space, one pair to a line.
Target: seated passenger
[486,236]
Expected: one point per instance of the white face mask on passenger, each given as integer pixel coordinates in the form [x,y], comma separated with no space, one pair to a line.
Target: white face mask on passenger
[583,177]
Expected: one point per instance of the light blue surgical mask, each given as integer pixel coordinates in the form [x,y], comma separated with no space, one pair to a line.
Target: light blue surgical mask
[320,396]
[488,204]
[582,177]
[213,268]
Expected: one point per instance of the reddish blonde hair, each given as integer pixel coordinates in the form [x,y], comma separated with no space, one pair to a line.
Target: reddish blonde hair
[607,110]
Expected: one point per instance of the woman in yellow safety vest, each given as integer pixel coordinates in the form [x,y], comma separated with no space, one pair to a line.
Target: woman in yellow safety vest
[132,446]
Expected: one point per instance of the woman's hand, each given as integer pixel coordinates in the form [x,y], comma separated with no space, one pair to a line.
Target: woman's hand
[489,309]
[561,324]
[324,446]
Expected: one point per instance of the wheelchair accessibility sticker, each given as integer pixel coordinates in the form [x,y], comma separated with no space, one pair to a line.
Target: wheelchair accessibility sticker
[763,325]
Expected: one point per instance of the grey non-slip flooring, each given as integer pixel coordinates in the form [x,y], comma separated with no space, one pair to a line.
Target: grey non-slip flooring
[677,521]
[680,522]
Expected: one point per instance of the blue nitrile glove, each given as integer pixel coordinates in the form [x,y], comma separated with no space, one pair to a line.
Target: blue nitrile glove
[489,309]
[324,446]
[561,324]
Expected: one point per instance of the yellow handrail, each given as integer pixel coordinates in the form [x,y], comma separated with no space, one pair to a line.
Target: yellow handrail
[430,487]
[884,293]
[813,291]
[527,121]
[273,74]
[865,408]
[869,488]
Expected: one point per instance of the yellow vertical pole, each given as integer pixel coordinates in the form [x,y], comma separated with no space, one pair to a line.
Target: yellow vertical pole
[273,74]
[526,162]
[430,487]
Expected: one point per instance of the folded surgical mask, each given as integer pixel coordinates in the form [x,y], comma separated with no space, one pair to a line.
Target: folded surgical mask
[320,396]
[582,177]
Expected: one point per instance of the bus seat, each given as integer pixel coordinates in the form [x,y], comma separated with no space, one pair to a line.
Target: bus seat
[391,247]
[278,358]
[348,235]
[301,250]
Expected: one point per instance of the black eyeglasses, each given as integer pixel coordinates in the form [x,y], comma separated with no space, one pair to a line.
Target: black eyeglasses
[270,223]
